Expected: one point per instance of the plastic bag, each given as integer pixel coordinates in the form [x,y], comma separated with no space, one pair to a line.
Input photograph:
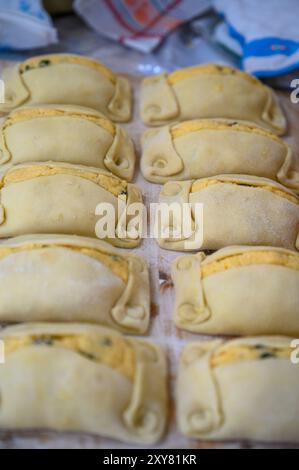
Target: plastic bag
[24,24]
[141,25]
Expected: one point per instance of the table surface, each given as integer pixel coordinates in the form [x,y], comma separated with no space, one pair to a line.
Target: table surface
[162,329]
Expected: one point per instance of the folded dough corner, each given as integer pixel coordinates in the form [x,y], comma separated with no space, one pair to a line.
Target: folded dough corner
[83,378]
[67,79]
[62,198]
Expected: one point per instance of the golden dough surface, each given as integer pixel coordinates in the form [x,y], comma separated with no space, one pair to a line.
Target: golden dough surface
[116,263]
[115,352]
[26,114]
[48,60]
[204,183]
[239,353]
[114,185]
[249,258]
[188,72]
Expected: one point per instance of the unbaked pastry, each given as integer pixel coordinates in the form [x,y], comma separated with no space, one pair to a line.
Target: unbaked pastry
[238,291]
[240,389]
[209,91]
[207,147]
[70,278]
[67,79]
[73,377]
[71,134]
[237,210]
[62,198]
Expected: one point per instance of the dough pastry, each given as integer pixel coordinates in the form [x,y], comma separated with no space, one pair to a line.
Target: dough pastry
[240,389]
[62,198]
[206,147]
[209,91]
[67,79]
[70,278]
[70,134]
[238,291]
[237,210]
[74,377]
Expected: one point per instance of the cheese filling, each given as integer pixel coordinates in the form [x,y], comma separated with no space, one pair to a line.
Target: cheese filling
[248,352]
[204,183]
[188,72]
[112,351]
[112,184]
[48,60]
[187,127]
[238,260]
[22,115]
[116,263]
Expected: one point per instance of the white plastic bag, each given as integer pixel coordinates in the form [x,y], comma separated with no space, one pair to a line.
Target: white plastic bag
[141,25]
[24,24]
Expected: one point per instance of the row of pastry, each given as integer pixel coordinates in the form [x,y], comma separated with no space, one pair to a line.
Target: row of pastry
[61,152]
[76,377]
[193,149]
[227,150]
[79,279]
[59,161]
[224,154]
[75,158]
[205,91]
[220,110]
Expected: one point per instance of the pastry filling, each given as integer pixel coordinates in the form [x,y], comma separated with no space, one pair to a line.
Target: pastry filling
[238,260]
[248,352]
[112,184]
[112,351]
[186,127]
[204,183]
[48,60]
[188,72]
[116,263]
[27,114]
